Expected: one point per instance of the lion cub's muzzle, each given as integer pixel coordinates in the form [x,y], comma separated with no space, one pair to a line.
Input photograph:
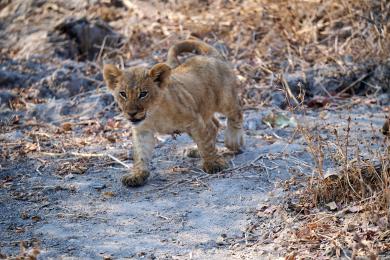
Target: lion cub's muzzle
[136,117]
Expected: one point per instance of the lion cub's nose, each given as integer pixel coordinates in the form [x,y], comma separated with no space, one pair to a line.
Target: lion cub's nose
[132,113]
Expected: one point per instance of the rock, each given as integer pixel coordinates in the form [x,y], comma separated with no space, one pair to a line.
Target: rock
[252,124]
[49,189]
[21,73]
[69,176]
[355,209]
[221,240]
[6,97]
[48,112]
[384,99]
[279,120]
[332,206]
[348,59]
[253,93]
[87,35]
[53,110]
[297,82]
[329,78]
[382,75]
[383,223]
[10,78]
[65,82]
[278,99]
[12,136]
[98,185]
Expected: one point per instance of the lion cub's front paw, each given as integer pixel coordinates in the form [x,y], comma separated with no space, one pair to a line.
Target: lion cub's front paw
[215,166]
[136,179]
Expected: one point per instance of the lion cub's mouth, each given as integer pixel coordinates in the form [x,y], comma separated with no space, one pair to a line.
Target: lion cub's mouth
[136,121]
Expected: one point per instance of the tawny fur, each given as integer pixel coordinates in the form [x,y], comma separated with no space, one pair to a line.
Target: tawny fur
[179,99]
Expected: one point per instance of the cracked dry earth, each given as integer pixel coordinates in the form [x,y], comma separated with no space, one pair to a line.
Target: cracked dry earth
[182,213]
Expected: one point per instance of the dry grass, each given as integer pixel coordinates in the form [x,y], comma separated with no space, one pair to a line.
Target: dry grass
[269,32]
[346,208]
[358,176]
[364,181]
[346,39]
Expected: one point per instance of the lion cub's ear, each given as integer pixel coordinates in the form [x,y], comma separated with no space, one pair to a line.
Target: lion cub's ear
[160,74]
[111,75]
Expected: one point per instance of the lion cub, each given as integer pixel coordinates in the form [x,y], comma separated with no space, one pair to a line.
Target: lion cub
[172,97]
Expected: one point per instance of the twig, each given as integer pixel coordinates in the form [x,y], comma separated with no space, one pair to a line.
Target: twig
[74,154]
[288,90]
[352,84]
[38,171]
[238,43]
[118,161]
[203,183]
[257,158]
[92,80]
[161,216]
[122,63]
[101,49]
[232,162]
[88,155]
[326,91]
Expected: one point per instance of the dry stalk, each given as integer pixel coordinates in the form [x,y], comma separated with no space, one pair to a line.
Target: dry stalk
[88,155]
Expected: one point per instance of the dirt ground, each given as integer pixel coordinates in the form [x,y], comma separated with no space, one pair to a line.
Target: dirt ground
[64,145]
[182,213]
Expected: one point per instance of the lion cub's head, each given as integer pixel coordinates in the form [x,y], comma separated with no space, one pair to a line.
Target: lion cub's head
[136,89]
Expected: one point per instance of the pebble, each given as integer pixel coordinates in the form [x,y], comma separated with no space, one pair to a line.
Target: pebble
[98,186]
[69,177]
[252,124]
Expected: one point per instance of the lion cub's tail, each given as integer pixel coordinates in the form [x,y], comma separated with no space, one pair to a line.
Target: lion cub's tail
[200,48]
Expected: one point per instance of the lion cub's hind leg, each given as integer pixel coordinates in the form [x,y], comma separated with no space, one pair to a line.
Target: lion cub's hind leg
[205,135]
[234,134]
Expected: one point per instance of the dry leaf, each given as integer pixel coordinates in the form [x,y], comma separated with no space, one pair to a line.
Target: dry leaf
[67,126]
[113,124]
[111,138]
[109,194]
[318,101]
[31,147]
[36,218]
[19,230]
[178,169]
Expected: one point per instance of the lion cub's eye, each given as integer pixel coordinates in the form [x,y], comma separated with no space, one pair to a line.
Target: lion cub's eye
[142,94]
[122,94]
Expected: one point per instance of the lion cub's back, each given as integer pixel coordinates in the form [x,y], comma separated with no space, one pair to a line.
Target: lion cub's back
[211,82]
[206,70]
